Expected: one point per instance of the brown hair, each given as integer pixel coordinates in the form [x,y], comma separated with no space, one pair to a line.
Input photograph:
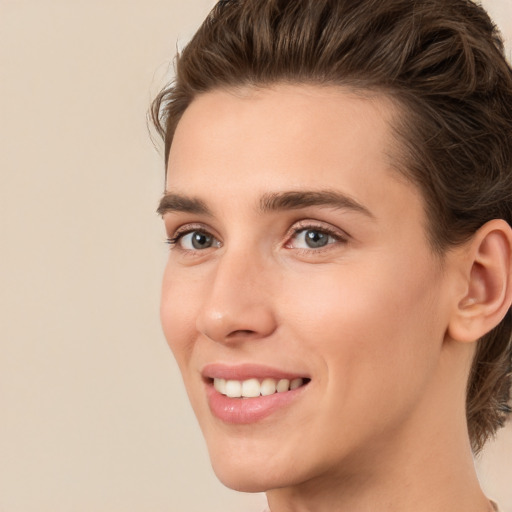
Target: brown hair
[442,63]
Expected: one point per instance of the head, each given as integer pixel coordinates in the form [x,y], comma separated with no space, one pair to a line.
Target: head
[439,67]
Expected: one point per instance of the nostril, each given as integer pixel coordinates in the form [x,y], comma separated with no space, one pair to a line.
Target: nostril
[242,333]
[235,320]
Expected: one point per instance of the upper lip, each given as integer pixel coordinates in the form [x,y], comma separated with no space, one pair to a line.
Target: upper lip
[247,371]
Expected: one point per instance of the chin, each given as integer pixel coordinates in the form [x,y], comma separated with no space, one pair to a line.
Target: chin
[242,471]
[251,471]
[250,480]
[238,470]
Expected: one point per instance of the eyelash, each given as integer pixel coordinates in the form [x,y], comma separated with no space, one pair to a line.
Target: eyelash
[338,235]
[185,230]
[299,227]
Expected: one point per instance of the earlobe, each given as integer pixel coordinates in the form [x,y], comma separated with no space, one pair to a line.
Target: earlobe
[488,287]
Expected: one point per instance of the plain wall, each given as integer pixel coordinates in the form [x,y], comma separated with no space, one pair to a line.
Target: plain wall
[93,413]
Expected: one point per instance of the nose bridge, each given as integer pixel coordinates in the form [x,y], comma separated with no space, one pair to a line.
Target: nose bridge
[237,302]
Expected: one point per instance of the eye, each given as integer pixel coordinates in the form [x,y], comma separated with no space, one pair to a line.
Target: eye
[312,238]
[195,240]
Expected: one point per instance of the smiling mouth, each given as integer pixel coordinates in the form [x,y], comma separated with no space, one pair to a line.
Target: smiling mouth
[253,388]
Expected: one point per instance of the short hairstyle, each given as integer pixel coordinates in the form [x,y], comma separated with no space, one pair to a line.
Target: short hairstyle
[442,64]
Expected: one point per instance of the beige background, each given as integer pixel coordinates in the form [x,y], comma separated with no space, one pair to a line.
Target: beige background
[93,414]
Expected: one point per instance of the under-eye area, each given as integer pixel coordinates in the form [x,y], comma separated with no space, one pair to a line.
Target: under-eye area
[252,388]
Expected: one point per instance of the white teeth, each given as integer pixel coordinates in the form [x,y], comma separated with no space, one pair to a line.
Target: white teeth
[252,388]
[268,387]
[296,383]
[233,388]
[283,385]
[220,385]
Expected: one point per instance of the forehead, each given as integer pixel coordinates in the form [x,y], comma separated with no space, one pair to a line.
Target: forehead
[284,119]
[241,144]
[304,111]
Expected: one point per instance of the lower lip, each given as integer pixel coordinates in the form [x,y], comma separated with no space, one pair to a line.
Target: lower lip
[244,411]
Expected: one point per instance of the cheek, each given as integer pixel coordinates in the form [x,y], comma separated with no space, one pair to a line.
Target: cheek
[374,327]
[178,313]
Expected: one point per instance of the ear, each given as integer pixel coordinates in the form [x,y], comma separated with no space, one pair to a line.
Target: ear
[488,283]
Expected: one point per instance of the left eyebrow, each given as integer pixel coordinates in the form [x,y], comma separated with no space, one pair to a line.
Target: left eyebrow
[294,200]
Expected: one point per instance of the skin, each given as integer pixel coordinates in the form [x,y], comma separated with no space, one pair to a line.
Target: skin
[367,317]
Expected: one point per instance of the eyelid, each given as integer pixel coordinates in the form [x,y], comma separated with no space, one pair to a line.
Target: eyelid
[185,229]
[337,233]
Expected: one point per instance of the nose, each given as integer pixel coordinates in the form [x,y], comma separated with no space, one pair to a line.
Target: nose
[238,301]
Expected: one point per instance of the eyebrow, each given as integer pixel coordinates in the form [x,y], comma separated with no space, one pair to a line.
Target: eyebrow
[295,200]
[171,202]
[275,201]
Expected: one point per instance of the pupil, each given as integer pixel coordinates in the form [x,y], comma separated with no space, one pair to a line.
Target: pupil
[316,239]
[201,240]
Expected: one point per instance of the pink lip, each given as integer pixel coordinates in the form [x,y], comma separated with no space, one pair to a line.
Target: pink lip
[246,371]
[244,411]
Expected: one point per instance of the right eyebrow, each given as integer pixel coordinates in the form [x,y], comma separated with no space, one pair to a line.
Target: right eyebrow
[172,202]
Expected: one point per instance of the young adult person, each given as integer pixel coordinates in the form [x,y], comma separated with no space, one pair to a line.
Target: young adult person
[338,204]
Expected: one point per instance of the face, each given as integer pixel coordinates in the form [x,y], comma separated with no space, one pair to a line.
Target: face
[300,277]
